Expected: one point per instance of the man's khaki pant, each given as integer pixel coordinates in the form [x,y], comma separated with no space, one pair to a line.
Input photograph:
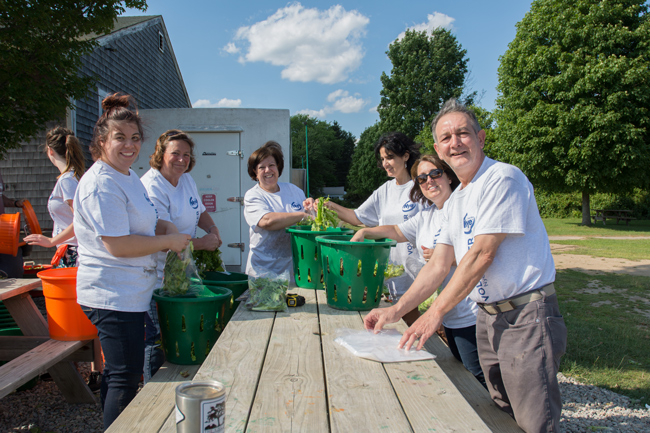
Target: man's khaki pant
[520,353]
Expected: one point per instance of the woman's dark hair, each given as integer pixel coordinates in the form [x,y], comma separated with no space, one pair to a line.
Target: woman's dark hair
[156,159]
[398,144]
[270,148]
[117,107]
[62,141]
[416,192]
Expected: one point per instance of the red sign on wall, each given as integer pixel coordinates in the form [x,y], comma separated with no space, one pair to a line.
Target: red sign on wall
[210,202]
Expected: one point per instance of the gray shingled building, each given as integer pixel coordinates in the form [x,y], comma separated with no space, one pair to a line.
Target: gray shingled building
[135,58]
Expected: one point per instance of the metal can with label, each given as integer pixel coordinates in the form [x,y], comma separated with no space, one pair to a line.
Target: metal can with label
[200,407]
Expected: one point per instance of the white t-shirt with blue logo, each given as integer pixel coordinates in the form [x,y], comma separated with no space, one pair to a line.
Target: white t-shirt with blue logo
[270,250]
[423,230]
[500,199]
[178,204]
[109,203]
[390,205]
[57,204]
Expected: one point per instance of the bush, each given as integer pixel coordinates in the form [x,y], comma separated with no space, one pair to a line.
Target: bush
[569,205]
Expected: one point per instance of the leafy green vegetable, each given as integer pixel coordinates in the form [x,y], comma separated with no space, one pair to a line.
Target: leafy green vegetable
[176,280]
[266,294]
[325,218]
[207,261]
[393,271]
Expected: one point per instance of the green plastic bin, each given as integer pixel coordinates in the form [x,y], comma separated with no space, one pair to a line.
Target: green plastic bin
[190,325]
[307,269]
[235,281]
[354,271]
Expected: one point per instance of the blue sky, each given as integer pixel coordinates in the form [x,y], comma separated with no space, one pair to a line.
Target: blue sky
[321,58]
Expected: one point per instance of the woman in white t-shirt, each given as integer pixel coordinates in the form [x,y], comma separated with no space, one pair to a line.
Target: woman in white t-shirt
[390,204]
[118,233]
[174,193]
[435,181]
[64,151]
[269,208]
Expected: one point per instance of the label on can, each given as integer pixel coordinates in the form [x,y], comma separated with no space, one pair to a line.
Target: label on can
[179,415]
[213,414]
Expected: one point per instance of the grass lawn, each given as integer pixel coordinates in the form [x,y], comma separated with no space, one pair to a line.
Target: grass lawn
[572,227]
[608,321]
[618,248]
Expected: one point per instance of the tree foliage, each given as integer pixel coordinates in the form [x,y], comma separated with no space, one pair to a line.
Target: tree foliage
[574,96]
[40,56]
[365,176]
[427,70]
[330,151]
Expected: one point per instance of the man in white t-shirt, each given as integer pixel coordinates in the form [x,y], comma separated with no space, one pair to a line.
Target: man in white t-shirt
[492,228]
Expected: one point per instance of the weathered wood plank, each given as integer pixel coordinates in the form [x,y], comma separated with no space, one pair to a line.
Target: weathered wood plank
[236,361]
[13,347]
[360,395]
[13,287]
[19,371]
[477,396]
[291,392]
[155,402]
[429,398]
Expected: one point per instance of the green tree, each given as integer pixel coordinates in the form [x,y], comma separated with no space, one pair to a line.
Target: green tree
[330,151]
[427,70]
[574,97]
[365,176]
[41,46]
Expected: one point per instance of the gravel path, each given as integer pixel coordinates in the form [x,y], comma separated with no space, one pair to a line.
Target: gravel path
[586,408]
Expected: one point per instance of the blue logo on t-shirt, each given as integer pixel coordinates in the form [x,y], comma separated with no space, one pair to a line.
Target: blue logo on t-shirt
[147,197]
[296,206]
[408,206]
[468,224]
[194,203]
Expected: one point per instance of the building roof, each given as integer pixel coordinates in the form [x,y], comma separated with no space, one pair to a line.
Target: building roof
[122,23]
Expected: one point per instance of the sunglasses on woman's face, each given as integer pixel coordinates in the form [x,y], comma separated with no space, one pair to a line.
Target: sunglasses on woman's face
[433,174]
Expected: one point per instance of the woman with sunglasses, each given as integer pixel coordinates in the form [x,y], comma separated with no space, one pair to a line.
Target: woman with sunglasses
[175,195]
[435,182]
[390,204]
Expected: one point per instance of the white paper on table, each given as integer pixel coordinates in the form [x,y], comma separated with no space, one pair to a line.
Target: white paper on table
[381,347]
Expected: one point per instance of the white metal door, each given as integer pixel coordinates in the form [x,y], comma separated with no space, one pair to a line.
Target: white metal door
[217,175]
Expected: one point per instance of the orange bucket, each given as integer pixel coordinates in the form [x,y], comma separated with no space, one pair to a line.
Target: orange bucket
[9,233]
[65,319]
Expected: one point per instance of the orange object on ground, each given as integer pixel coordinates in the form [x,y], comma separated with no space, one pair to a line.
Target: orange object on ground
[30,217]
[65,319]
[9,233]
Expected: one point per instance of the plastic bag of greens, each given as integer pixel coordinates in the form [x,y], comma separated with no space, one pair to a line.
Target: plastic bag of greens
[268,291]
[180,276]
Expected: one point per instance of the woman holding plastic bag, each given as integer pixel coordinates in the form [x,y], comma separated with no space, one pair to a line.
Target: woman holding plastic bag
[435,181]
[176,198]
[118,233]
[64,151]
[390,204]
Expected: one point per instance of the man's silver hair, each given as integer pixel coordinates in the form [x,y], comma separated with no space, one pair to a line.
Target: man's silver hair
[453,106]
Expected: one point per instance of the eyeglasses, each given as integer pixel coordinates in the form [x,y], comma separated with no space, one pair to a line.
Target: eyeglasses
[169,135]
[436,173]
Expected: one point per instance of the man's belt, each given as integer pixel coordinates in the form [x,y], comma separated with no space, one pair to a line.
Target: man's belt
[512,303]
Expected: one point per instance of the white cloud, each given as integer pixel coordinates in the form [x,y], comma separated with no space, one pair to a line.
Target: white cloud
[435,20]
[223,103]
[310,44]
[373,109]
[231,48]
[341,101]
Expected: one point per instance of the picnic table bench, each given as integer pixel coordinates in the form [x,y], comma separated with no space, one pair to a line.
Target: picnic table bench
[284,372]
[35,352]
[617,214]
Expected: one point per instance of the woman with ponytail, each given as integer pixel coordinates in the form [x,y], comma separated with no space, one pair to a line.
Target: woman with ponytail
[119,234]
[64,151]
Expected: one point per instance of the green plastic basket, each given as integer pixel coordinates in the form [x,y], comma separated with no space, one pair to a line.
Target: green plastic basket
[190,325]
[307,269]
[235,281]
[354,271]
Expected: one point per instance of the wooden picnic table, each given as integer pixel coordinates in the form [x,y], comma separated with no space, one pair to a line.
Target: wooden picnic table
[617,214]
[284,372]
[35,352]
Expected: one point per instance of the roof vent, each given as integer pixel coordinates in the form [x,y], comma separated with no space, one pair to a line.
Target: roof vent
[161,42]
